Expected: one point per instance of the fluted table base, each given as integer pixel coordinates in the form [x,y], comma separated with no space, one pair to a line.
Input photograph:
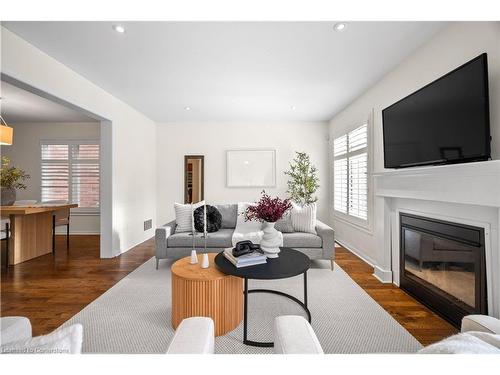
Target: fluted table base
[206,292]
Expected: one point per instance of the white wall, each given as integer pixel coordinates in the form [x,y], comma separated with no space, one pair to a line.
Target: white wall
[132,139]
[25,154]
[175,140]
[455,45]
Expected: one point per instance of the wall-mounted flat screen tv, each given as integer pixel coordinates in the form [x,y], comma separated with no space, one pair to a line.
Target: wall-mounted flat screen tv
[445,122]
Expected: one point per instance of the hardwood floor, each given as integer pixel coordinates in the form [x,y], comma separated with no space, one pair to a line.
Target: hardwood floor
[50,290]
[417,319]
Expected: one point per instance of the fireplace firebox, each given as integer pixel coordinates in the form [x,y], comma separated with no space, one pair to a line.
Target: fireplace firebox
[442,264]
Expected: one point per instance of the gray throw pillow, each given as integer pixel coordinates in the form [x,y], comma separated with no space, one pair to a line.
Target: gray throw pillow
[229,214]
[284,225]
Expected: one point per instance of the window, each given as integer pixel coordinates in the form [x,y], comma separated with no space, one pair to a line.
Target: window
[350,168]
[70,172]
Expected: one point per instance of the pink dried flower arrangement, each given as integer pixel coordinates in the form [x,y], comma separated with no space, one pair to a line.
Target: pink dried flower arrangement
[268,209]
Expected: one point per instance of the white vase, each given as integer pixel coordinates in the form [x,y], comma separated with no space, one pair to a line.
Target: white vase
[194,257]
[204,261]
[271,240]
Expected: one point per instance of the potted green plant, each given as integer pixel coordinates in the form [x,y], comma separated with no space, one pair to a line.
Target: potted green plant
[303,182]
[12,179]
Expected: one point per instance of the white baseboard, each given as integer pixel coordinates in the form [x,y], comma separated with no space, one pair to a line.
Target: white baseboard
[383,276]
[132,246]
[356,252]
[77,233]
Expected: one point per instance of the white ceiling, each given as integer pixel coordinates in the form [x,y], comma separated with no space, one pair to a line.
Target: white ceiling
[18,106]
[230,70]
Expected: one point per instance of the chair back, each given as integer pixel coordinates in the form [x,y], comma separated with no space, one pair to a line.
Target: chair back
[25,202]
[62,215]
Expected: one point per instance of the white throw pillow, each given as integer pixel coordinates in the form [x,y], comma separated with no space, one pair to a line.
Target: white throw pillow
[184,216]
[246,230]
[304,217]
[66,340]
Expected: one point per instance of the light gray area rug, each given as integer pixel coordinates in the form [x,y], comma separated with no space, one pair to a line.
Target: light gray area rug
[134,315]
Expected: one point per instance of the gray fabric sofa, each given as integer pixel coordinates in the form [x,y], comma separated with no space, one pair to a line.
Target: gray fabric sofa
[178,245]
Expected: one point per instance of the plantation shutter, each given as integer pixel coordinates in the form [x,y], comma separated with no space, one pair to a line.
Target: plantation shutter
[70,172]
[340,173]
[55,172]
[85,175]
[351,173]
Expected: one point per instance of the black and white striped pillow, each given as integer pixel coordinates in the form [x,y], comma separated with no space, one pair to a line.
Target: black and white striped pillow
[304,217]
[184,216]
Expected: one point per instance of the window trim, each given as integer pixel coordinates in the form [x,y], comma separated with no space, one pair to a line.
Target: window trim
[365,225]
[78,211]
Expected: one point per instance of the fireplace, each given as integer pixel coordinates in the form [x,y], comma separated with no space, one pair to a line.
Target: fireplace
[442,264]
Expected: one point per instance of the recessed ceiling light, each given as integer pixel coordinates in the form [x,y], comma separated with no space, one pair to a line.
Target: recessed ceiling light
[187,108]
[119,29]
[293,108]
[341,26]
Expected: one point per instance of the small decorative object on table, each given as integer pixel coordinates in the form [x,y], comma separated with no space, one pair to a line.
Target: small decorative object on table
[194,257]
[245,258]
[268,210]
[205,263]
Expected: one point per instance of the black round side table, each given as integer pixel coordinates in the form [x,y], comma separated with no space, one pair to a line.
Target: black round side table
[289,263]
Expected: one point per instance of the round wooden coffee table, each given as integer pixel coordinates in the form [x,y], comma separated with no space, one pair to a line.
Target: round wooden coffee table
[206,292]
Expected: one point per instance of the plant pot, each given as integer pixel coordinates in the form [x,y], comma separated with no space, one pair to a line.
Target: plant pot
[8,196]
[271,240]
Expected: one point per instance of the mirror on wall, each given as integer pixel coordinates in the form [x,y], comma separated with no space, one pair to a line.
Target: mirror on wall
[193,178]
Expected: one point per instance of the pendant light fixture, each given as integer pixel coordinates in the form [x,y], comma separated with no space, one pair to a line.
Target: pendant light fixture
[6,133]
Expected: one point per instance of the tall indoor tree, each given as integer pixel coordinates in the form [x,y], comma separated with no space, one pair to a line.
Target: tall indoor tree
[303,182]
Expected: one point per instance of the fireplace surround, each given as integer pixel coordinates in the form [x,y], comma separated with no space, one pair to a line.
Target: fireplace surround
[442,264]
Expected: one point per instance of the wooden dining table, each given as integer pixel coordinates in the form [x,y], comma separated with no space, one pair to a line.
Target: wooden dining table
[31,230]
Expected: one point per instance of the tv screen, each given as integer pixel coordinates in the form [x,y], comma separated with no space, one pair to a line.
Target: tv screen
[447,121]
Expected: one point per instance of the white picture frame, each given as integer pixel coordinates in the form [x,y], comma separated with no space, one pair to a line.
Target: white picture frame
[251,168]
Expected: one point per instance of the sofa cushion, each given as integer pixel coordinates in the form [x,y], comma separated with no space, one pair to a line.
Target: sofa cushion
[284,225]
[229,214]
[300,239]
[221,238]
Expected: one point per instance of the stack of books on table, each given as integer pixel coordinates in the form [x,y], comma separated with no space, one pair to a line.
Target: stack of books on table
[246,260]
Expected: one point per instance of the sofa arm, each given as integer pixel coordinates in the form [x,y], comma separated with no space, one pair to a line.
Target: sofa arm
[327,236]
[194,335]
[14,328]
[481,323]
[294,335]
[161,235]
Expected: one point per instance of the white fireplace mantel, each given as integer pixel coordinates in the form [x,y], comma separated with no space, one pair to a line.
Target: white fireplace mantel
[476,184]
[472,183]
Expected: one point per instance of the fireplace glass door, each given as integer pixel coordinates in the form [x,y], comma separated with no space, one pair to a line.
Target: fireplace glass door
[443,265]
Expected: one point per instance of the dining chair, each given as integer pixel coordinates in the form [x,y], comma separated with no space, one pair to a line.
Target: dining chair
[25,202]
[59,218]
